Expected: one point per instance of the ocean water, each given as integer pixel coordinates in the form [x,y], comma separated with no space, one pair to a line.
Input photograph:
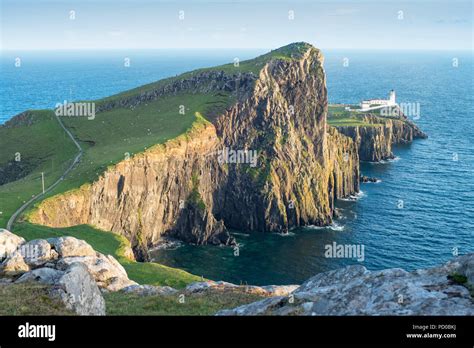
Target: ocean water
[419,215]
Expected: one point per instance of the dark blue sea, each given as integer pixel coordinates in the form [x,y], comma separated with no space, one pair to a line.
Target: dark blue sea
[419,215]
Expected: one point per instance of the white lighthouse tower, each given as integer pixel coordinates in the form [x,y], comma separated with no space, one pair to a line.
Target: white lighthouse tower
[392,97]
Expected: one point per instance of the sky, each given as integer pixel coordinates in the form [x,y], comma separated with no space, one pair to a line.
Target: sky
[155,24]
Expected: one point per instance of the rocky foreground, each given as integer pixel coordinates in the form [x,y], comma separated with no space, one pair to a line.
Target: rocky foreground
[354,290]
[78,276]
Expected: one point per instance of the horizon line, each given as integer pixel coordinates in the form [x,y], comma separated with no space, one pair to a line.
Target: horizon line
[234,48]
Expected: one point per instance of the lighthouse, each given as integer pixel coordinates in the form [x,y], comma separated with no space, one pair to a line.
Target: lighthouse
[392,98]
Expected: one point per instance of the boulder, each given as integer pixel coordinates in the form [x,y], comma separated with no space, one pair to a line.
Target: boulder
[9,242]
[14,265]
[78,291]
[71,247]
[107,272]
[37,252]
[43,275]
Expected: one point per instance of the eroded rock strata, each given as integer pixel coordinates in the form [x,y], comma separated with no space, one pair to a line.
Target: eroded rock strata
[375,142]
[183,189]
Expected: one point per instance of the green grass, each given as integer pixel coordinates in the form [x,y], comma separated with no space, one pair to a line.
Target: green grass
[458,278]
[288,52]
[206,303]
[339,117]
[113,244]
[29,299]
[45,147]
[124,132]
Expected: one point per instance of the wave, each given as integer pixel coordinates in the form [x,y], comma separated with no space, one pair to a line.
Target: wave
[240,234]
[288,234]
[168,244]
[334,226]
[352,198]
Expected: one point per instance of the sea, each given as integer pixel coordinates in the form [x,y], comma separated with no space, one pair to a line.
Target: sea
[419,214]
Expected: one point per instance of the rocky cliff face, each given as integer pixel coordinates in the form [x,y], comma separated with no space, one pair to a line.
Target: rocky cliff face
[375,142]
[188,189]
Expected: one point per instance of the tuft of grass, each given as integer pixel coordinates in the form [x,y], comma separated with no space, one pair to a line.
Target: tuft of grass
[205,303]
[29,299]
[458,278]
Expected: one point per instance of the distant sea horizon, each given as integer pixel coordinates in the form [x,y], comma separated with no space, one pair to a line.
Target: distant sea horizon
[68,77]
[432,177]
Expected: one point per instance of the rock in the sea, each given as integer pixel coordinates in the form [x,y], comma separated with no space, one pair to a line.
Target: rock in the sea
[366,179]
[79,292]
[43,275]
[9,242]
[13,265]
[70,247]
[354,290]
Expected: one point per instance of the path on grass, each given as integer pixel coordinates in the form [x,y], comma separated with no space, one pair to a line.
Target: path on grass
[15,215]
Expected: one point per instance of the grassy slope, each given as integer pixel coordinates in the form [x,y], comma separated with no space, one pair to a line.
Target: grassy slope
[247,66]
[45,146]
[29,299]
[206,303]
[33,299]
[339,117]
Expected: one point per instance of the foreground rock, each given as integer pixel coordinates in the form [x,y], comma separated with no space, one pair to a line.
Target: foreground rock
[269,290]
[78,291]
[73,269]
[353,290]
[9,242]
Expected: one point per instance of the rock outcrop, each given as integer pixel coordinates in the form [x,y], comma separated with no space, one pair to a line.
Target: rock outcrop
[375,142]
[73,269]
[353,290]
[78,291]
[268,290]
[185,189]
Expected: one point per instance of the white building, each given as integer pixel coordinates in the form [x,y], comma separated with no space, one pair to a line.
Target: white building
[372,104]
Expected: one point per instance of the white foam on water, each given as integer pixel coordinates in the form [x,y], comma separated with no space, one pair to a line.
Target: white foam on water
[334,226]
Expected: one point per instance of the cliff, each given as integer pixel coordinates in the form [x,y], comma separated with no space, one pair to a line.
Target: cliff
[375,140]
[184,188]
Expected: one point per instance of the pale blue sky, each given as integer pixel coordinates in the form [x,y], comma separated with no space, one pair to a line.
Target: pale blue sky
[127,24]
